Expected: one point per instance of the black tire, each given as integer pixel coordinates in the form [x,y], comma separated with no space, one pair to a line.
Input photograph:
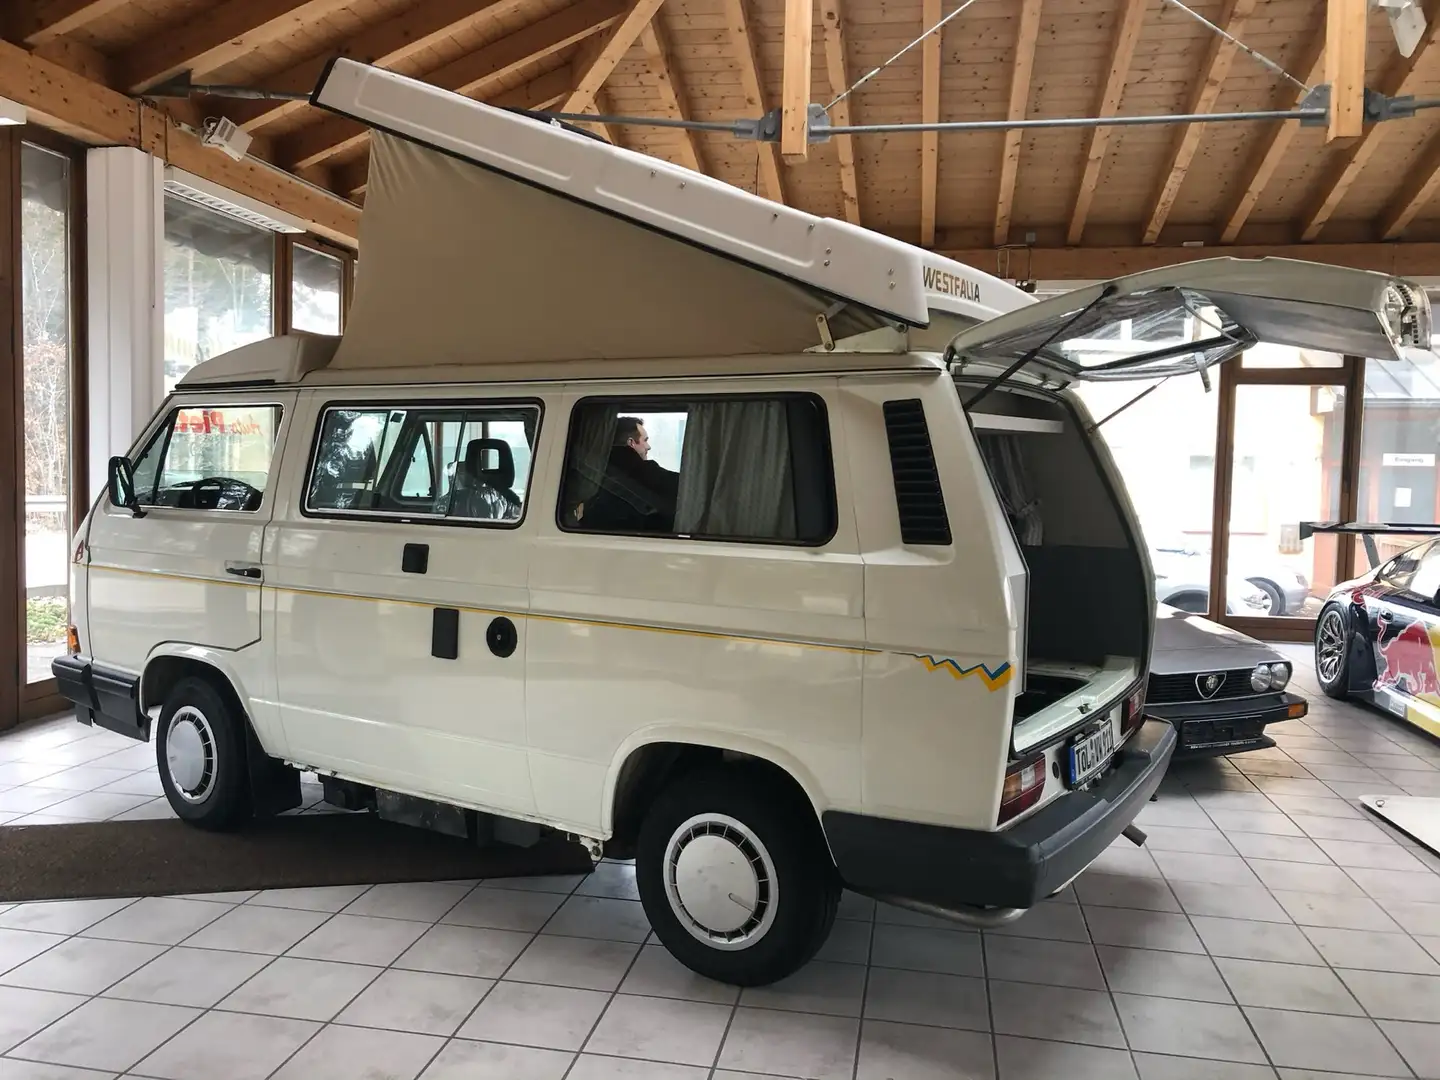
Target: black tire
[1271,590]
[789,931]
[217,797]
[1333,618]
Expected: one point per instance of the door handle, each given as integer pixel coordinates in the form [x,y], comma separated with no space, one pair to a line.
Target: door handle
[245,570]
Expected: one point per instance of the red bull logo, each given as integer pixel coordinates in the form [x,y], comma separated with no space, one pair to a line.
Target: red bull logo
[1407,656]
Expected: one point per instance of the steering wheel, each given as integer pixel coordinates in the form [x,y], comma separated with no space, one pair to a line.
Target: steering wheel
[230,494]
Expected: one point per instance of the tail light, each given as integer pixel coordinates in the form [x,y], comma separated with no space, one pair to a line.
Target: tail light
[72,641]
[1134,713]
[1024,784]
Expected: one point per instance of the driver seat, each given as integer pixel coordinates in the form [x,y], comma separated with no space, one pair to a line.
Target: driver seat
[484,484]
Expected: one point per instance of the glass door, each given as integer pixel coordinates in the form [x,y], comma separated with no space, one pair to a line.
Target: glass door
[44,366]
[1283,459]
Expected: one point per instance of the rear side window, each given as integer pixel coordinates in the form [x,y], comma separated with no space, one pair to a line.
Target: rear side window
[209,457]
[463,463]
[744,468]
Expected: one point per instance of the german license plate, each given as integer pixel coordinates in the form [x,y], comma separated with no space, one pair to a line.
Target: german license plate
[1091,753]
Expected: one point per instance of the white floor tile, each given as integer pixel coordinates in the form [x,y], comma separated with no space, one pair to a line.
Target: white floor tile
[585,963]
[257,929]
[228,1046]
[791,1044]
[186,976]
[360,939]
[555,1018]
[82,965]
[660,1029]
[463,1060]
[156,920]
[417,1001]
[106,1034]
[465,950]
[25,1012]
[348,1053]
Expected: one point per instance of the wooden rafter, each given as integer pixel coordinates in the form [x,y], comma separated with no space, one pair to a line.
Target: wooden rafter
[661,74]
[795,83]
[1026,36]
[1219,55]
[384,44]
[622,34]
[1345,32]
[210,40]
[36,22]
[1275,140]
[1399,78]
[76,106]
[929,114]
[475,74]
[1097,141]
[1421,183]
[737,23]
[837,72]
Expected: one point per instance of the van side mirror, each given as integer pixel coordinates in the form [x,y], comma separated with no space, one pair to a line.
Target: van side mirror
[122,486]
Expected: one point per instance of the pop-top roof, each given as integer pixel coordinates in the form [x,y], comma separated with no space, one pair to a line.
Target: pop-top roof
[493,237]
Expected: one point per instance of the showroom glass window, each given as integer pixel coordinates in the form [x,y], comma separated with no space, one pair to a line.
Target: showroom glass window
[219,285]
[1399,478]
[47,335]
[316,287]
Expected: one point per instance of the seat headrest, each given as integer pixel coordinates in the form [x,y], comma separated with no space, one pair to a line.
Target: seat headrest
[489,461]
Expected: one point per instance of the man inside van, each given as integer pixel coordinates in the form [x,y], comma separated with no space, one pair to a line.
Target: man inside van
[637,494]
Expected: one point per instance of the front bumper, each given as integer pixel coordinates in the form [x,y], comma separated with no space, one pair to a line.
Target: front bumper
[1014,867]
[110,699]
[1213,728]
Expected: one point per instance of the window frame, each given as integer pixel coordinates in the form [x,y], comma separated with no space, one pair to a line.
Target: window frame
[166,428]
[642,403]
[458,405]
[284,300]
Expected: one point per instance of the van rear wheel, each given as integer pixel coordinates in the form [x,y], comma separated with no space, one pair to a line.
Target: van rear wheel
[735,877]
[200,749]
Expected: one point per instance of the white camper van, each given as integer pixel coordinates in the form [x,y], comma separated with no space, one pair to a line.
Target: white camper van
[765,550]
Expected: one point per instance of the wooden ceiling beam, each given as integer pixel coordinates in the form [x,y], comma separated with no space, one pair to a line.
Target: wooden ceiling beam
[1345,32]
[837,72]
[737,23]
[1274,141]
[622,34]
[929,114]
[475,74]
[1421,184]
[36,22]
[206,41]
[661,75]
[1097,140]
[609,132]
[1099,263]
[1026,35]
[95,114]
[542,92]
[1219,55]
[1399,78]
[796,80]
[384,44]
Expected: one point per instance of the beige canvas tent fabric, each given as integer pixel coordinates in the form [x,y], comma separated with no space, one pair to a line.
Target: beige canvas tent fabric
[467,266]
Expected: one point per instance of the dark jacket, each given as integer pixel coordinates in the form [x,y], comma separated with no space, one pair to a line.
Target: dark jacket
[637,495]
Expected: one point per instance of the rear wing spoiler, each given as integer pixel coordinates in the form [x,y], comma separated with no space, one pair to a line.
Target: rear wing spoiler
[1367,531]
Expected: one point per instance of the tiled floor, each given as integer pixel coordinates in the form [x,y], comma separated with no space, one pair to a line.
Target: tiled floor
[1270,929]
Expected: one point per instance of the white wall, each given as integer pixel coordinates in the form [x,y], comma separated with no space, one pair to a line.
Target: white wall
[125,296]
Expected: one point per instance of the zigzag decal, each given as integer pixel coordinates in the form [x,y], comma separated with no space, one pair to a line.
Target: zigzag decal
[993,679]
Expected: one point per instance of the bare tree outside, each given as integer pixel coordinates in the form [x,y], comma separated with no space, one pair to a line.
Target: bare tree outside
[46,334]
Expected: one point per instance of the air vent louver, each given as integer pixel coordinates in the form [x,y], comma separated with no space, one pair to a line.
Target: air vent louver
[917,481]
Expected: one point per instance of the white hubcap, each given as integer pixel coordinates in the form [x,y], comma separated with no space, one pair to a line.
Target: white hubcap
[720,881]
[190,754]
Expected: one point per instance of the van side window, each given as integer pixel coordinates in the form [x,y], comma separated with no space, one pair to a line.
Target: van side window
[461,463]
[723,468]
[210,457]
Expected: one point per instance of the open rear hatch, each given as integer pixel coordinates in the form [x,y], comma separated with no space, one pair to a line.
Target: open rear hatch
[1078,574]
[1236,303]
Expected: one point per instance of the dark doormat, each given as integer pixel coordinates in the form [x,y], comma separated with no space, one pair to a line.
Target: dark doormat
[165,857]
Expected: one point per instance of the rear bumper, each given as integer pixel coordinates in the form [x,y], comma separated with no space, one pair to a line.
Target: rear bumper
[1015,867]
[103,697]
[1213,728]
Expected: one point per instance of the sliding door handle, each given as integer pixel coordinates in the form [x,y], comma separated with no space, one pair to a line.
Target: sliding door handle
[245,570]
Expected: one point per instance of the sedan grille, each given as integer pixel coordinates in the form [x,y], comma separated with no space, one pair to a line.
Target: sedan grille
[1173,689]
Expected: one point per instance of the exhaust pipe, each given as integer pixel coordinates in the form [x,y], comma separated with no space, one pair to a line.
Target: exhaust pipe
[975,917]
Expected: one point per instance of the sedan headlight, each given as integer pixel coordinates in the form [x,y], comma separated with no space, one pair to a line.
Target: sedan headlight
[1270,677]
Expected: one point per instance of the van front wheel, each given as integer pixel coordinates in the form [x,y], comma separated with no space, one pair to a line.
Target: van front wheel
[734,876]
[200,748]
